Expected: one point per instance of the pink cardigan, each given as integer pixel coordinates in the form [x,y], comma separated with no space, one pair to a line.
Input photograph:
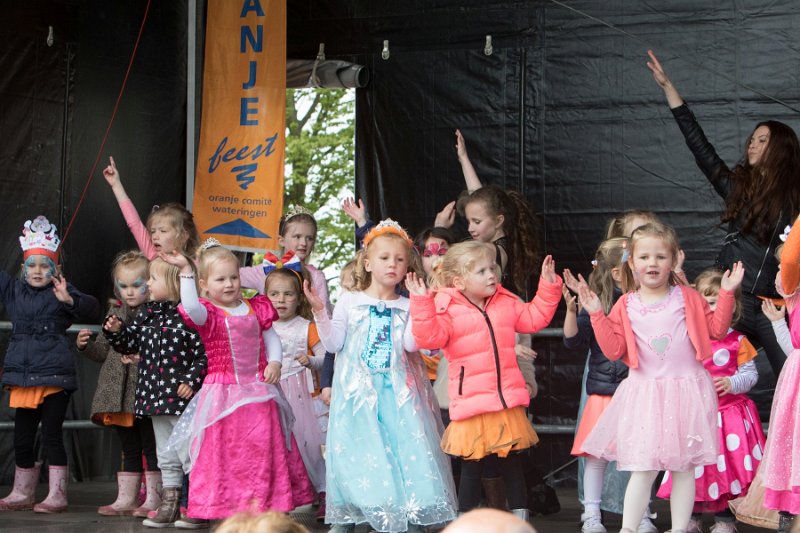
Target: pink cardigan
[615,335]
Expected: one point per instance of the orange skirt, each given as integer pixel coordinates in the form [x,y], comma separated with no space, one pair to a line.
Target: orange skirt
[30,397]
[500,432]
[595,405]
[114,419]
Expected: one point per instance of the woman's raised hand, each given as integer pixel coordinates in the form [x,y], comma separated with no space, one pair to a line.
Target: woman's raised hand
[415,284]
[673,98]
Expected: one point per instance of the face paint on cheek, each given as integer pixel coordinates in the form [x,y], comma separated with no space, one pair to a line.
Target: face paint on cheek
[141,285]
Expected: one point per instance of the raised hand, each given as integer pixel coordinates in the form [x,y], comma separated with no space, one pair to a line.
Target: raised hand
[316,303]
[355,210]
[732,278]
[549,269]
[588,299]
[415,284]
[446,217]
[82,340]
[110,172]
[571,282]
[461,145]
[175,258]
[570,299]
[112,324]
[673,98]
[60,290]
[272,374]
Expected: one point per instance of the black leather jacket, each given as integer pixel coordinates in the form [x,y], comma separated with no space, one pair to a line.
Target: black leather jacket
[758,258]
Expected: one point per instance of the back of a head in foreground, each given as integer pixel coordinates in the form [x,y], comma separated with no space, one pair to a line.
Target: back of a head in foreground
[269,522]
[489,521]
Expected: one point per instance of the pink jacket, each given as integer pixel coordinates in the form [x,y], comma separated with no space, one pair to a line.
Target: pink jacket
[615,335]
[483,375]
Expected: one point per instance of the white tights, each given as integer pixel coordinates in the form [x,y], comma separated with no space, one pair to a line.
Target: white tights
[637,497]
[593,472]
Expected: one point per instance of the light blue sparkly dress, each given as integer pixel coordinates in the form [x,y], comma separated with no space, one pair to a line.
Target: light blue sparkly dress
[384,465]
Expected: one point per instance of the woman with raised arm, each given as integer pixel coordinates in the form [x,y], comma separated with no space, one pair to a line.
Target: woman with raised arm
[762,196]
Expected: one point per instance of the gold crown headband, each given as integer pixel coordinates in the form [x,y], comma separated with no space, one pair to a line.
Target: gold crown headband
[387,226]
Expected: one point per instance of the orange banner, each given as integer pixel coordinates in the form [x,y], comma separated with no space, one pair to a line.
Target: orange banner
[238,194]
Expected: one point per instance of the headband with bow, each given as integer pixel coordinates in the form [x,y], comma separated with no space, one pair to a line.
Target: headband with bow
[289,261]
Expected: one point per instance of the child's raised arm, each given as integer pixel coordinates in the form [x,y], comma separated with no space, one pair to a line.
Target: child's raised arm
[132,218]
[189,299]
[470,176]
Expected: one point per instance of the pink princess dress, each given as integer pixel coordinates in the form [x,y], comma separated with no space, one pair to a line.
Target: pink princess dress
[780,469]
[235,436]
[740,435]
[663,416]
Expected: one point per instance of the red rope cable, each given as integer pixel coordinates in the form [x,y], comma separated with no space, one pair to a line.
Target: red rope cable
[110,123]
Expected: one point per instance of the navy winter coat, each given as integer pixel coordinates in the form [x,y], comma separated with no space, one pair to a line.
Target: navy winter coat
[39,353]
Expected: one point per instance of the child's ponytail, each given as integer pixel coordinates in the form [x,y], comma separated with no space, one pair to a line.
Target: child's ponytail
[611,254]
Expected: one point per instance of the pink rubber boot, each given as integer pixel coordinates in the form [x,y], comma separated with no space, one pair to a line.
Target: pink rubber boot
[56,501]
[22,495]
[127,495]
[153,500]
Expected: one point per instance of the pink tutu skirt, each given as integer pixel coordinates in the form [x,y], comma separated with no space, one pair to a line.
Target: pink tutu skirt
[740,453]
[658,424]
[780,469]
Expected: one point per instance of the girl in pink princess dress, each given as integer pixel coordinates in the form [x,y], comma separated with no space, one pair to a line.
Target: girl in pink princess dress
[780,469]
[663,416]
[235,437]
[741,439]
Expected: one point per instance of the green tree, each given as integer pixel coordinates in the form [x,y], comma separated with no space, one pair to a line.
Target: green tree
[320,167]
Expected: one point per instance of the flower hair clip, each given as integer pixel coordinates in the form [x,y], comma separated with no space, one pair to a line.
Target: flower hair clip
[625,252]
[785,234]
[387,226]
[295,210]
[594,264]
[209,243]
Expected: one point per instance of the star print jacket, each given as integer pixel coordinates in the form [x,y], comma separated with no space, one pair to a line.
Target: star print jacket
[171,353]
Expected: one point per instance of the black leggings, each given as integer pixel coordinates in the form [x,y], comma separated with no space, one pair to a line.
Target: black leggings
[758,330]
[50,413]
[469,487]
[136,441]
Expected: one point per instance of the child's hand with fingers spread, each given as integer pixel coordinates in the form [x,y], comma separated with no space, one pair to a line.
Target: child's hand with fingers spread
[112,324]
[355,211]
[732,278]
[415,284]
[177,259]
[60,290]
[272,374]
[589,299]
[549,269]
[314,301]
[570,299]
[773,312]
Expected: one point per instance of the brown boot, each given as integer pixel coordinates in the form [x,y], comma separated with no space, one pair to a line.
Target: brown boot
[168,511]
[495,490]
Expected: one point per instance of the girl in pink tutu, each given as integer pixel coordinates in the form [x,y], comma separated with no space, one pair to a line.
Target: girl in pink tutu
[303,355]
[235,436]
[741,438]
[780,469]
[663,416]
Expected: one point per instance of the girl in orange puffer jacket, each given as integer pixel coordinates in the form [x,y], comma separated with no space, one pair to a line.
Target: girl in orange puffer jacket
[473,319]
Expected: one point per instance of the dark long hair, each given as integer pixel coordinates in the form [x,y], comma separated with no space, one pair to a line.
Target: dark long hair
[762,191]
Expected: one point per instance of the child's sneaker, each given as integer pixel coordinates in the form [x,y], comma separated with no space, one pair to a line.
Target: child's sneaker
[724,527]
[592,523]
[168,511]
[694,526]
[646,525]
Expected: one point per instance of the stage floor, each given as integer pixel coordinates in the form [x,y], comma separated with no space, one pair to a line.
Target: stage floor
[85,498]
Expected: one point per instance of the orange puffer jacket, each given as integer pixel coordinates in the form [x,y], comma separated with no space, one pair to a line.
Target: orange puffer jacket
[483,375]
